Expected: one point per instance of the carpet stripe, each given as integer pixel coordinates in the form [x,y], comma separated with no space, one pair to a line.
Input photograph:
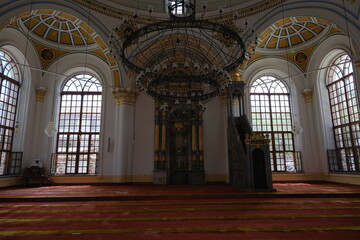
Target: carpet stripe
[180,210]
[177,203]
[179,218]
[182,230]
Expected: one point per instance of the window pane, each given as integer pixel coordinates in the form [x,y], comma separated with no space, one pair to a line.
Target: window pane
[79,125]
[271,114]
[9,91]
[345,113]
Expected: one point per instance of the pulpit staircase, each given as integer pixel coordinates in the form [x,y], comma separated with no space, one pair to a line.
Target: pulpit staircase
[248,152]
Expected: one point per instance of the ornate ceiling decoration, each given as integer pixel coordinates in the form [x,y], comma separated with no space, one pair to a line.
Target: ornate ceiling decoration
[294,39]
[44,26]
[59,28]
[291,32]
[118,12]
[180,61]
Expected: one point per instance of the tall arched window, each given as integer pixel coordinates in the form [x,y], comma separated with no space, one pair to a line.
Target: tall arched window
[79,126]
[345,114]
[271,114]
[9,92]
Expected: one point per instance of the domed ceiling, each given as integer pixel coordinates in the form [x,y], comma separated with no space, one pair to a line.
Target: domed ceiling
[293,38]
[59,28]
[160,5]
[118,8]
[292,32]
[55,34]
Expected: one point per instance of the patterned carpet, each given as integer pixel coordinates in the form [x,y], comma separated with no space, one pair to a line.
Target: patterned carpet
[313,211]
[133,192]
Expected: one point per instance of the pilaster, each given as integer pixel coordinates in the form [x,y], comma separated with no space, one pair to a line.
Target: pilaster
[124,134]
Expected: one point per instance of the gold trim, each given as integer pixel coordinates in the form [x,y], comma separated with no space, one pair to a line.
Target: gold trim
[124,96]
[47,54]
[236,77]
[40,94]
[163,139]
[201,144]
[301,57]
[308,93]
[357,64]
[157,131]
[257,139]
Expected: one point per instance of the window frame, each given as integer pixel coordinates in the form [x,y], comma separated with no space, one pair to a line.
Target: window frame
[181,7]
[9,116]
[346,129]
[93,137]
[282,139]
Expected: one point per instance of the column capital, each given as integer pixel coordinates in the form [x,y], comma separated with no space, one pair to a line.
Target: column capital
[357,63]
[124,96]
[223,98]
[40,94]
[308,94]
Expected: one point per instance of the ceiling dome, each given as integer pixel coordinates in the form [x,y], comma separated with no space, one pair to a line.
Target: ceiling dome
[291,32]
[60,28]
[161,5]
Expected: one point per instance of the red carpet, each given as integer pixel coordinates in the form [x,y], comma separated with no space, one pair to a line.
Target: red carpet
[313,211]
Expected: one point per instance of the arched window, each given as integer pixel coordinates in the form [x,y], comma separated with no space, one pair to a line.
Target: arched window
[79,126]
[9,93]
[345,114]
[271,114]
[179,6]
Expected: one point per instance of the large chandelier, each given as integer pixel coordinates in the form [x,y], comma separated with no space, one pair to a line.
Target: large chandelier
[181,60]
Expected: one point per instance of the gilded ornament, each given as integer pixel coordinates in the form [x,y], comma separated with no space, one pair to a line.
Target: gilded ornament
[357,64]
[307,93]
[124,96]
[47,54]
[40,94]
[301,57]
[235,77]
[257,139]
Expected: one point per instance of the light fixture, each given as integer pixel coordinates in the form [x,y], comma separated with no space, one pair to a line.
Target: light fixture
[50,129]
[180,59]
[297,129]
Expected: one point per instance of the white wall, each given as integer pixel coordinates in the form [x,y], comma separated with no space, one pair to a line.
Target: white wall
[313,142]
[215,160]
[143,163]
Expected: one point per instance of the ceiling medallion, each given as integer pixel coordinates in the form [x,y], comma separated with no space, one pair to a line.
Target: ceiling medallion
[47,54]
[301,57]
[181,60]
